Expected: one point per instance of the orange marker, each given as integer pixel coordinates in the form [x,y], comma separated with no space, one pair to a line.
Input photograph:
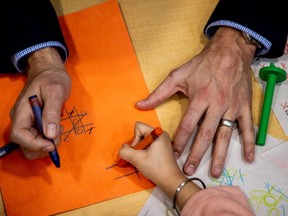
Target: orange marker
[144,143]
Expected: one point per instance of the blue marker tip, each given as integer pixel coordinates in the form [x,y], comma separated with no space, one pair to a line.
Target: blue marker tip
[55,158]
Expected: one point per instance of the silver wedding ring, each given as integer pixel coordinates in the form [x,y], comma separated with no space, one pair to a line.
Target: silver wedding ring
[228,123]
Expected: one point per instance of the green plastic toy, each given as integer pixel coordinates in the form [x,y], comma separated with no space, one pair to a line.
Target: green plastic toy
[272,75]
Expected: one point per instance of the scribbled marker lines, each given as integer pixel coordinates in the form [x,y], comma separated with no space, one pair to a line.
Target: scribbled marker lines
[283,65]
[241,176]
[284,106]
[271,188]
[76,130]
[77,125]
[78,117]
[272,197]
[129,174]
[229,176]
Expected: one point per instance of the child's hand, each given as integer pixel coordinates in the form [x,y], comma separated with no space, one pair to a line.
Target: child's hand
[157,162]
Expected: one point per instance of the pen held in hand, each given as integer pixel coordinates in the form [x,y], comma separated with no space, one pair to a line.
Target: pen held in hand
[143,144]
[37,110]
[9,147]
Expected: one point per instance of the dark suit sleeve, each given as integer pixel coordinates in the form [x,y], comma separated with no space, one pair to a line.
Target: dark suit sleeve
[266,17]
[24,24]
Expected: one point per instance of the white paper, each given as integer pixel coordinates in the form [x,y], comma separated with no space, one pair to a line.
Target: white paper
[265,182]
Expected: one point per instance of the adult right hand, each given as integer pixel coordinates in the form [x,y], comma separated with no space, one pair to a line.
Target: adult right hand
[49,80]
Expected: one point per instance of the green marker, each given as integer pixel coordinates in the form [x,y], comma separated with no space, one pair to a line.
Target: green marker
[271,75]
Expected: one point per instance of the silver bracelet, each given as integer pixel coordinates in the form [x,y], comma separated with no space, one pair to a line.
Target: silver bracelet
[178,189]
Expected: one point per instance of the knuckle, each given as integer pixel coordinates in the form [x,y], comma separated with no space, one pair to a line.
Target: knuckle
[29,156]
[52,112]
[55,87]
[225,135]
[222,100]
[178,148]
[186,126]
[218,162]
[174,74]
[194,159]
[206,134]
[195,112]
[13,134]
[156,95]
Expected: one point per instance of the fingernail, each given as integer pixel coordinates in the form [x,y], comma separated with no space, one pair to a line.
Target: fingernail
[217,171]
[189,170]
[139,102]
[250,157]
[51,130]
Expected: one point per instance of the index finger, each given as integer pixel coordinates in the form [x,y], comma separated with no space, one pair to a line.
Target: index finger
[164,91]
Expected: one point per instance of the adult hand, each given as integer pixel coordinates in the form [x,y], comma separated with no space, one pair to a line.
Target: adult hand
[217,83]
[48,79]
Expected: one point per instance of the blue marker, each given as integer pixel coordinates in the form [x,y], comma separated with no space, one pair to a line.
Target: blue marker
[36,107]
[8,148]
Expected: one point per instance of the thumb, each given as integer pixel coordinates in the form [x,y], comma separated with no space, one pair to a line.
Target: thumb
[51,117]
[125,152]
[158,96]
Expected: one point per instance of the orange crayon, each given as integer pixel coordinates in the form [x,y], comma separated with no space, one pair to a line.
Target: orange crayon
[143,144]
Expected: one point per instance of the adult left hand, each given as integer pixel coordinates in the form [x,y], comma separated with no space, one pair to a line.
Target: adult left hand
[217,83]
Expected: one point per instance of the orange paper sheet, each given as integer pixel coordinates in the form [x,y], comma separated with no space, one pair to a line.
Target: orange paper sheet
[98,118]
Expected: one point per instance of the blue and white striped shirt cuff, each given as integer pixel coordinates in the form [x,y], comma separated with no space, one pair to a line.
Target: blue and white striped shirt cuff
[16,58]
[266,43]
